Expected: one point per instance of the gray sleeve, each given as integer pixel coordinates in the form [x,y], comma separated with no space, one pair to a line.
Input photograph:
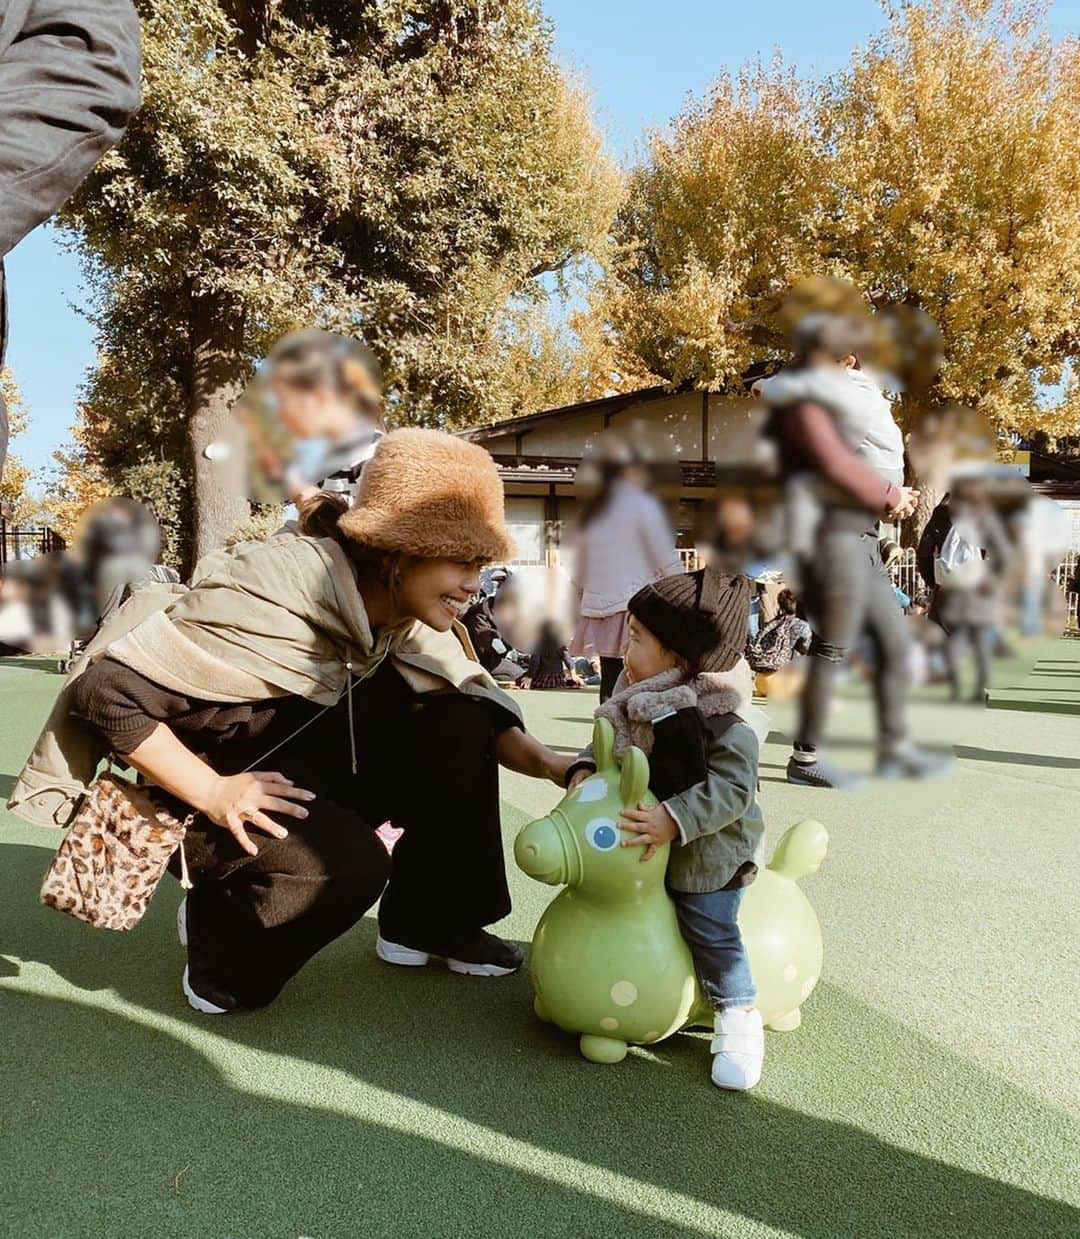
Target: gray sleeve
[69,82]
[729,788]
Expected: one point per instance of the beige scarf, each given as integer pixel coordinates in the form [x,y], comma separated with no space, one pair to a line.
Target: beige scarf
[263,620]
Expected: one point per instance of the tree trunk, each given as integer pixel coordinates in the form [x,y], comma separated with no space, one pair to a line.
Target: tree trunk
[219,372]
[929,454]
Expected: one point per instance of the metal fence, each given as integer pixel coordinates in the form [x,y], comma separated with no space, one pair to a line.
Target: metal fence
[1063,578]
[905,574]
[17,544]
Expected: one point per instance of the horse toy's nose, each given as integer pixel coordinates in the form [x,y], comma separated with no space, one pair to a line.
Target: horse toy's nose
[540,851]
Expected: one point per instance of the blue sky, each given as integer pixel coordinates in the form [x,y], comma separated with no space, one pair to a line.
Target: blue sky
[641,59]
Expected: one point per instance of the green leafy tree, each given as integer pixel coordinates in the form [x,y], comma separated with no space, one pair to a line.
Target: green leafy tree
[408,172]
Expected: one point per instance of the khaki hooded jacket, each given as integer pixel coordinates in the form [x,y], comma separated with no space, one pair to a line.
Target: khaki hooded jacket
[276,618]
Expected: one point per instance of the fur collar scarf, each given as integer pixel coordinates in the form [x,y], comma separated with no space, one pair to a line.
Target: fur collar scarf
[632,707]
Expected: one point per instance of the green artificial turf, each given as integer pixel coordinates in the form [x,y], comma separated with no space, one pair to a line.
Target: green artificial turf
[931,1090]
[1050,684]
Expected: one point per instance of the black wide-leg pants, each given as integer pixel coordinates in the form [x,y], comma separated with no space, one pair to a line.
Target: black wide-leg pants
[425,762]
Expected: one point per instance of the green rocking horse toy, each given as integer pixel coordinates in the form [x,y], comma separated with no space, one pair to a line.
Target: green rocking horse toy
[608,961]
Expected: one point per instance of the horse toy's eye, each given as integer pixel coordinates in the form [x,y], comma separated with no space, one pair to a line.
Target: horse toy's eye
[602,834]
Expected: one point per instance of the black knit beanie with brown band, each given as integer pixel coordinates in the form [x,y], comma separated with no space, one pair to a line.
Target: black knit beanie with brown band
[701,616]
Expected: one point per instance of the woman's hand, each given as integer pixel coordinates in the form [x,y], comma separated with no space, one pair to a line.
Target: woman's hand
[239,800]
[653,828]
[229,801]
[579,777]
[558,765]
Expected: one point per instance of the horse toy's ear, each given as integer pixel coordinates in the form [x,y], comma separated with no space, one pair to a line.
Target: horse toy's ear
[603,744]
[634,782]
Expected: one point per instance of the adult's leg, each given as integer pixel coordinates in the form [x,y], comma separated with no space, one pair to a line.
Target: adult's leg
[889,634]
[610,670]
[837,582]
[983,637]
[955,648]
[253,922]
[448,874]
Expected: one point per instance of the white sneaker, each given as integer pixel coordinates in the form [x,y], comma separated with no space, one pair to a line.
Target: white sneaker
[181,922]
[203,1005]
[738,1049]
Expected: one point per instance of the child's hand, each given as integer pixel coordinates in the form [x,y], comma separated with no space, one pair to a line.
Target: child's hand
[653,828]
[579,777]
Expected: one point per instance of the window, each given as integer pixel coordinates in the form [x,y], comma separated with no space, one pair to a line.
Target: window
[525,520]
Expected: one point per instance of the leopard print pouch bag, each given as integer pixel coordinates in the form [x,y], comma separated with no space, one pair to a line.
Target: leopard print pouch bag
[114,855]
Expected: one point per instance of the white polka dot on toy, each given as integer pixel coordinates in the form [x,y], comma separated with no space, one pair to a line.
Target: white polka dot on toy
[790,972]
[651,1035]
[805,991]
[623,993]
[608,1024]
[592,789]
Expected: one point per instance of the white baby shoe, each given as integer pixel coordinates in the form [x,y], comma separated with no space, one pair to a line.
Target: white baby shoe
[738,1049]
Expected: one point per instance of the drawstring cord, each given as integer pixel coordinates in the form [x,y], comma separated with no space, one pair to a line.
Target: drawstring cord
[185,877]
[352,724]
[366,676]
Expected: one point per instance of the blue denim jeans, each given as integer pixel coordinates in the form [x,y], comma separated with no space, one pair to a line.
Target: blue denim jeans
[709,925]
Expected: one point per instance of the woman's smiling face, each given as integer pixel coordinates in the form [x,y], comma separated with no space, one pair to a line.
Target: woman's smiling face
[436,591]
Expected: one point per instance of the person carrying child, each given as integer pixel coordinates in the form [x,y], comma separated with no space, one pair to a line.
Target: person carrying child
[684,698]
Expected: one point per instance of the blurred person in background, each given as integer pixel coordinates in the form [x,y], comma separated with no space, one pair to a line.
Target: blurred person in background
[324,391]
[550,665]
[965,551]
[735,550]
[60,600]
[1041,533]
[588,670]
[778,641]
[69,84]
[119,543]
[16,622]
[485,620]
[624,543]
[842,457]
[772,651]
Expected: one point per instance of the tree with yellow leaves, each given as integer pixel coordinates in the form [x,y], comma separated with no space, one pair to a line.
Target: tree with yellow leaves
[939,171]
[15,498]
[720,219]
[955,186]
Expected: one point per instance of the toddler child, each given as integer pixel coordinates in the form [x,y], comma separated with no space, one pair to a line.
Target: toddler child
[684,697]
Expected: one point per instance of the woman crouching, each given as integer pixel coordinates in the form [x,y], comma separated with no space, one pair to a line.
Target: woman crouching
[308,689]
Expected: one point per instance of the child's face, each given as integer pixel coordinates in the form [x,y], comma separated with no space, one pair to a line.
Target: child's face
[645,656]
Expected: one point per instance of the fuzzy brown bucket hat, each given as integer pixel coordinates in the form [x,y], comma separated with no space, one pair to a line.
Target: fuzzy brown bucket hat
[430,494]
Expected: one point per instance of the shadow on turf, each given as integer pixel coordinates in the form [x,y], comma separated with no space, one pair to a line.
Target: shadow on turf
[472,1049]
[1016,759]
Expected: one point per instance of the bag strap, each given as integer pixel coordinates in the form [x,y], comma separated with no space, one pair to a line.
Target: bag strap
[353,683]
